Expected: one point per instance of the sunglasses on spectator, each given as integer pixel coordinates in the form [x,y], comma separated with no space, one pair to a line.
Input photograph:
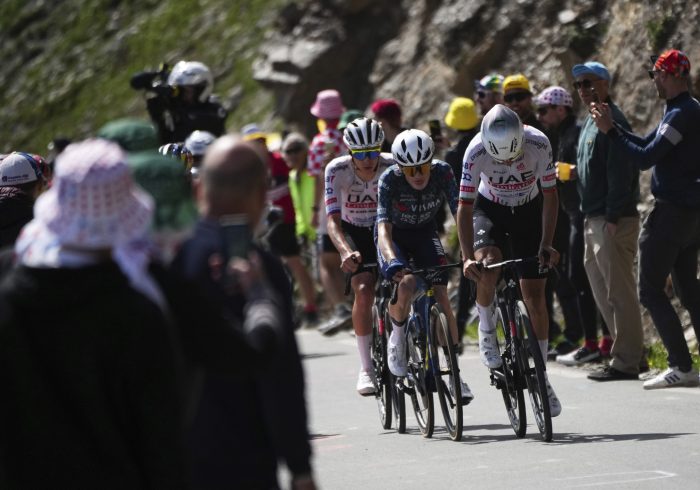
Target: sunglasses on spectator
[517,97]
[481,94]
[362,154]
[652,73]
[544,109]
[293,149]
[585,83]
[422,169]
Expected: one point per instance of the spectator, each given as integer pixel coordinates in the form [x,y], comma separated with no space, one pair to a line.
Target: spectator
[295,149]
[518,97]
[242,427]
[668,243]
[388,113]
[325,146]
[88,364]
[21,182]
[488,92]
[608,184]
[282,236]
[349,116]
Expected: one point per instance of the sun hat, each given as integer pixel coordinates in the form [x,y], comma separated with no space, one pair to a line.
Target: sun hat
[554,95]
[492,82]
[131,134]
[18,168]
[591,68]
[674,62]
[164,179]
[516,82]
[252,132]
[93,202]
[349,116]
[328,105]
[462,114]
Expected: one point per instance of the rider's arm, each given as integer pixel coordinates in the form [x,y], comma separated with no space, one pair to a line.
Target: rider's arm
[550,208]
[385,243]
[465,229]
[335,232]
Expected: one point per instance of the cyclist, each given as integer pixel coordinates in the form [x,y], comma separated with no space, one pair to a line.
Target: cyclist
[198,142]
[351,205]
[499,193]
[410,194]
[180,152]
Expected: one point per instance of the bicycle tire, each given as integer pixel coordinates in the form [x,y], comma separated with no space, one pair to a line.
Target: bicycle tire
[378,352]
[397,395]
[512,382]
[421,393]
[443,360]
[534,371]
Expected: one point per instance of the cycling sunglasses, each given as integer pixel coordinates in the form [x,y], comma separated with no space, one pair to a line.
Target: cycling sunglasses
[423,169]
[362,154]
[516,97]
[585,83]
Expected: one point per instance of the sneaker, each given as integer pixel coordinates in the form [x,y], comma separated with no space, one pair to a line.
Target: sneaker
[554,404]
[365,383]
[609,373]
[562,348]
[467,395]
[578,357]
[397,359]
[488,350]
[673,377]
[334,325]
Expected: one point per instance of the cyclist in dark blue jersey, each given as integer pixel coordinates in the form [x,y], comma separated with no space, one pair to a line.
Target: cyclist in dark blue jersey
[410,195]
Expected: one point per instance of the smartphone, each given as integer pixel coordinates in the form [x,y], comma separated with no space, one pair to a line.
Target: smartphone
[236,236]
[594,94]
[435,129]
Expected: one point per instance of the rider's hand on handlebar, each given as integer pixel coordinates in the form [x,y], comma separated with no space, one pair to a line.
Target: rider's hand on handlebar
[351,262]
[472,269]
[396,270]
[548,256]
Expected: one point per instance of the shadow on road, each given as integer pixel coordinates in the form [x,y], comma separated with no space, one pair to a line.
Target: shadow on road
[320,355]
[572,438]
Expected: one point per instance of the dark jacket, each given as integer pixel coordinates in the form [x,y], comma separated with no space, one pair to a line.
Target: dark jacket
[88,381]
[175,121]
[16,210]
[564,147]
[243,426]
[455,155]
[608,181]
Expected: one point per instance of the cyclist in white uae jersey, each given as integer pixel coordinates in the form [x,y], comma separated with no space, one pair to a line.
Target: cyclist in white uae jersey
[499,196]
[351,206]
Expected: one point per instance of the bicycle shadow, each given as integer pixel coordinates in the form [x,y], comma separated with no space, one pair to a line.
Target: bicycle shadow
[575,438]
[321,355]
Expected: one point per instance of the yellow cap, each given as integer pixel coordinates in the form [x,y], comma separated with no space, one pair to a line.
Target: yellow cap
[516,82]
[461,114]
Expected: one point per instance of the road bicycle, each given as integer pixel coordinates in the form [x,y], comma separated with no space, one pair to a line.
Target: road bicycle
[432,359]
[523,366]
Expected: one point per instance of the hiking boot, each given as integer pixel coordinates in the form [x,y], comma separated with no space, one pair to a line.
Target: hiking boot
[365,383]
[673,377]
[397,359]
[578,357]
[554,404]
[467,395]
[488,350]
[609,373]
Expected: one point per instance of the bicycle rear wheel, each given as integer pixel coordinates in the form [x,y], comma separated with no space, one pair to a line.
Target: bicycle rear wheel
[383,390]
[534,371]
[420,390]
[511,383]
[443,361]
[396,386]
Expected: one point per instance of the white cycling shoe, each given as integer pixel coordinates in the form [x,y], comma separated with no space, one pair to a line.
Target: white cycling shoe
[365,383]
[554,403]
[397,359]
[488,350]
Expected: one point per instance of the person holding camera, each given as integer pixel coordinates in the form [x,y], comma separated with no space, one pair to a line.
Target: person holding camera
[180,101]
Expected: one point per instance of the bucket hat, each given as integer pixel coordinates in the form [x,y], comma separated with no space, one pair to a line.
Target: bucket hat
[328,105]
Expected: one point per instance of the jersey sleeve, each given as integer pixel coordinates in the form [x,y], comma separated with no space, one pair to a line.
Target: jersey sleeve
[332,189]
[384,196]
[545,163]
[471,171]
[450,187]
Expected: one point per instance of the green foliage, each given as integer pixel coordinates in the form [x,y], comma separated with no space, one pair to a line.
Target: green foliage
[659,31]
[658,360]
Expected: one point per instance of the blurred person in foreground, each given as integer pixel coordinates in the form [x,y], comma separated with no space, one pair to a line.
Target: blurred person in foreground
[88,366]
[235,444]
[669,239]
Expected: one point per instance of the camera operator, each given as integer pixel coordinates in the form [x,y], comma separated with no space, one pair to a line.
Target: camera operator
[180,101]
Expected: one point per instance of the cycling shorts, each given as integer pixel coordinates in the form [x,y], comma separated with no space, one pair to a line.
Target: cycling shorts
[361,239]
[282,240]
[325,244]
[418,247]
[493,222]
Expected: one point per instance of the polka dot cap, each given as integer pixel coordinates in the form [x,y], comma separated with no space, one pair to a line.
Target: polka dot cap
[555,96]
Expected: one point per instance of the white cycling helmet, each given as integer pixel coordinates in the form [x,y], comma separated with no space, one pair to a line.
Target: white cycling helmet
[198,141]
[363,133]
[412,147]
[502,133]
[192,73]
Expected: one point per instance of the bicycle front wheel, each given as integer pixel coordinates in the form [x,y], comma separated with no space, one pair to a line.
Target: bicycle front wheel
[383,389]
[419,382]
[511,383]
[443,362]
[532,366]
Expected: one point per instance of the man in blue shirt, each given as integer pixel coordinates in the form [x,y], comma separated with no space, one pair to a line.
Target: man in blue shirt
[669,238]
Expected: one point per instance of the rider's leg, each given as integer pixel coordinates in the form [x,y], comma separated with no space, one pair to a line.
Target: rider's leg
[363,286]
[485,291]
[399,314]
[443,300]
[533,295]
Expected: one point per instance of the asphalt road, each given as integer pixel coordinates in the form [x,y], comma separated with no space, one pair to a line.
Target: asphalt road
[611,435]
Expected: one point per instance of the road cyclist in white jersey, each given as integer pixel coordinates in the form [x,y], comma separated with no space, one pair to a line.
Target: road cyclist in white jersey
[508,187]
[351,206]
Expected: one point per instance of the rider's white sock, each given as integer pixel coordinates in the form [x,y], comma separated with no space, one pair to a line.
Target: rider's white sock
[398,333]
[544,347]
[363,347]
[486,323]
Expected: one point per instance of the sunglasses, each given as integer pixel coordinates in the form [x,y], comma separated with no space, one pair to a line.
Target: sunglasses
[517,97]
[585,83]
[544,109]
[422,169]
[652,73]
[481,94]
[292,150]
[362,154]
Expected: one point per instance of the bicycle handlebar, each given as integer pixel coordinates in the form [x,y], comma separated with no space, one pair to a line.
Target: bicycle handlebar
[423,273]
